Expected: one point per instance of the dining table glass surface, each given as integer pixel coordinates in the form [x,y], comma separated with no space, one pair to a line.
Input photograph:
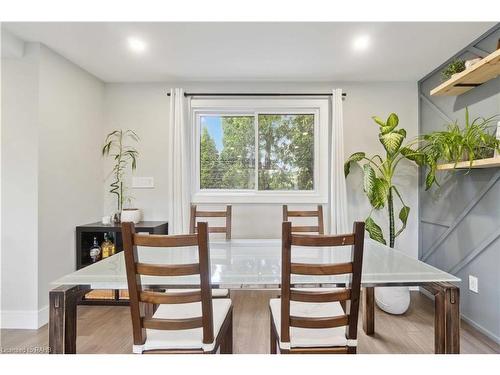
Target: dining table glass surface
[238,263]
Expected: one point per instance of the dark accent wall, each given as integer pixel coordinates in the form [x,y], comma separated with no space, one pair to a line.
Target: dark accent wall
[459,223]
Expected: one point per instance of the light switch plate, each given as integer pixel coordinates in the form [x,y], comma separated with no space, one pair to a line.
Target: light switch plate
[143,182]
[473,284]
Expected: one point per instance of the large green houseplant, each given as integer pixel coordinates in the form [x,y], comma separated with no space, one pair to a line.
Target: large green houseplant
[378,180]
[378,185]
[123,156]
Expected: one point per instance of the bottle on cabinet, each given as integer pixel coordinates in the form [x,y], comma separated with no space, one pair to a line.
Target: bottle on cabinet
[108,247]
[95,251]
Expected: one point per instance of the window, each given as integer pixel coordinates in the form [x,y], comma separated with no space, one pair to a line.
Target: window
[260,150]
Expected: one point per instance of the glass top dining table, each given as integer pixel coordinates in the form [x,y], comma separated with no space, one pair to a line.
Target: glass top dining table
[239,263]
[256,263]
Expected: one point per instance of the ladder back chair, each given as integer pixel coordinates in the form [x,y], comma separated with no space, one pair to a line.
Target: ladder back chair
[225,229]
[305,228]
[216,292]
[315,321]
[185,322]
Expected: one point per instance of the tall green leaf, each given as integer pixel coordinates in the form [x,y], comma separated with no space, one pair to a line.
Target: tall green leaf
[374,231]
[369,179]
[357,156]
[376,189]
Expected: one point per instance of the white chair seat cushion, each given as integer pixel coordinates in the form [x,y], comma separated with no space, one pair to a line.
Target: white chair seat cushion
[309,337]
[216,292]
[186,338]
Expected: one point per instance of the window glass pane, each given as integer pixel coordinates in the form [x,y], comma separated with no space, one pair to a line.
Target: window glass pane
[286,152]
[227,152]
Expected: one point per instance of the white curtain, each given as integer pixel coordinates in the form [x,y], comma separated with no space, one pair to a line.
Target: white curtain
[338,194]
[178,164]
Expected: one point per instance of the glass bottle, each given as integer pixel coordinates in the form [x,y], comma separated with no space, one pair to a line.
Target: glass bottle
[95,251]
[108,247]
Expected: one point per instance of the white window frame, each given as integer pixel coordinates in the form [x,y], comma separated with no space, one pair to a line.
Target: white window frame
[252,107]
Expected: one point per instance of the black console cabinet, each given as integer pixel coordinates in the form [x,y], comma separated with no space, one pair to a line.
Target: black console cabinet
[85,237]
[84,240]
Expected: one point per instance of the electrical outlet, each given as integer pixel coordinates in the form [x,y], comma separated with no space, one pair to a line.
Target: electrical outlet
[143,182]
[473,284]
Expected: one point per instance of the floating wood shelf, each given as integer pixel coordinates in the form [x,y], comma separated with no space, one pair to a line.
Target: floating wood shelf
[486,69]
[480,163]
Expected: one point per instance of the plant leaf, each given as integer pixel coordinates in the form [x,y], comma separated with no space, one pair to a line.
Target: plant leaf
[374,231]
[369,179]
[413,155]
[403,216]
[376,189]
[392,141]
[357,156]
[380,193]
[378,120]
[391,123]
[430,178]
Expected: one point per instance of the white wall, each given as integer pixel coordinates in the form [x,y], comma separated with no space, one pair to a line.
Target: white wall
[52,131]
[145,108]
[70,165]
[19,170]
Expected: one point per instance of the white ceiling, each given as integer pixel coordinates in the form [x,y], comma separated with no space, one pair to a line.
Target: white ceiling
[254,51]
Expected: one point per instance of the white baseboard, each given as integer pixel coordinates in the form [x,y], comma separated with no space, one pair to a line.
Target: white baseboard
[24,319]
[476,326]
[481,329]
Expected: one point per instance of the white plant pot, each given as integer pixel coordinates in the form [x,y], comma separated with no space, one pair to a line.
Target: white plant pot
[393,300]
[133,215]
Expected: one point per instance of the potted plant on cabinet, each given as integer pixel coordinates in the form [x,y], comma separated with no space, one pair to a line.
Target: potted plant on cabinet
[123,156]
[379,187]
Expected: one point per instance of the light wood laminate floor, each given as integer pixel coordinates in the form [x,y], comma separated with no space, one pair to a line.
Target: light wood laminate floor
[107,329]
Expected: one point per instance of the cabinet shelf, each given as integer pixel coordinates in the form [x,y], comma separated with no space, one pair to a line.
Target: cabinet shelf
[480,163]
[486,69]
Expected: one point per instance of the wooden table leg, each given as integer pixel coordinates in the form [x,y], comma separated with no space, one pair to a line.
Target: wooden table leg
[369,310]
[446,317]
[63,302]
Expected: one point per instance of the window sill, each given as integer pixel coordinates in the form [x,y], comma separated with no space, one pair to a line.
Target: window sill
[252,197]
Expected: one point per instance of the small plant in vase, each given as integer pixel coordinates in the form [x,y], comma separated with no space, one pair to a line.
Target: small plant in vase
[124,156]
[379,187]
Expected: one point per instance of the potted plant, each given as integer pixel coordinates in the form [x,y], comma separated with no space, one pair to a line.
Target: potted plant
[379,187]
[476,140]
[123,156]
[454,67]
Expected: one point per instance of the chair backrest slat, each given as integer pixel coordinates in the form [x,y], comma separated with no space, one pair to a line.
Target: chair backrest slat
[322,296]
[158,298]
[155,240]
[141,300]
[172,324]
[212,229]
[326,322]
[320,269]
[349,296]
[305,228]
[167,270]
[304,240]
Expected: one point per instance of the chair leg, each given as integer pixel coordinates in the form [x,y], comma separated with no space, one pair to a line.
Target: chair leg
[227,342]
[273,338]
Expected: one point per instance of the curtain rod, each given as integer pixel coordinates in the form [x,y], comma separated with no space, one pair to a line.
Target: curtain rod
[186,94]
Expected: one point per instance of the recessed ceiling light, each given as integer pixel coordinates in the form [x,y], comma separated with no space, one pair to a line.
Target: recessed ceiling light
[361,43]
[137,45]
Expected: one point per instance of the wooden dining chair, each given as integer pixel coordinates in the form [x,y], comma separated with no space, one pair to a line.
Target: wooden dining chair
[217,292]
[212,229]
[187,322]
[305,228]
[315,321]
